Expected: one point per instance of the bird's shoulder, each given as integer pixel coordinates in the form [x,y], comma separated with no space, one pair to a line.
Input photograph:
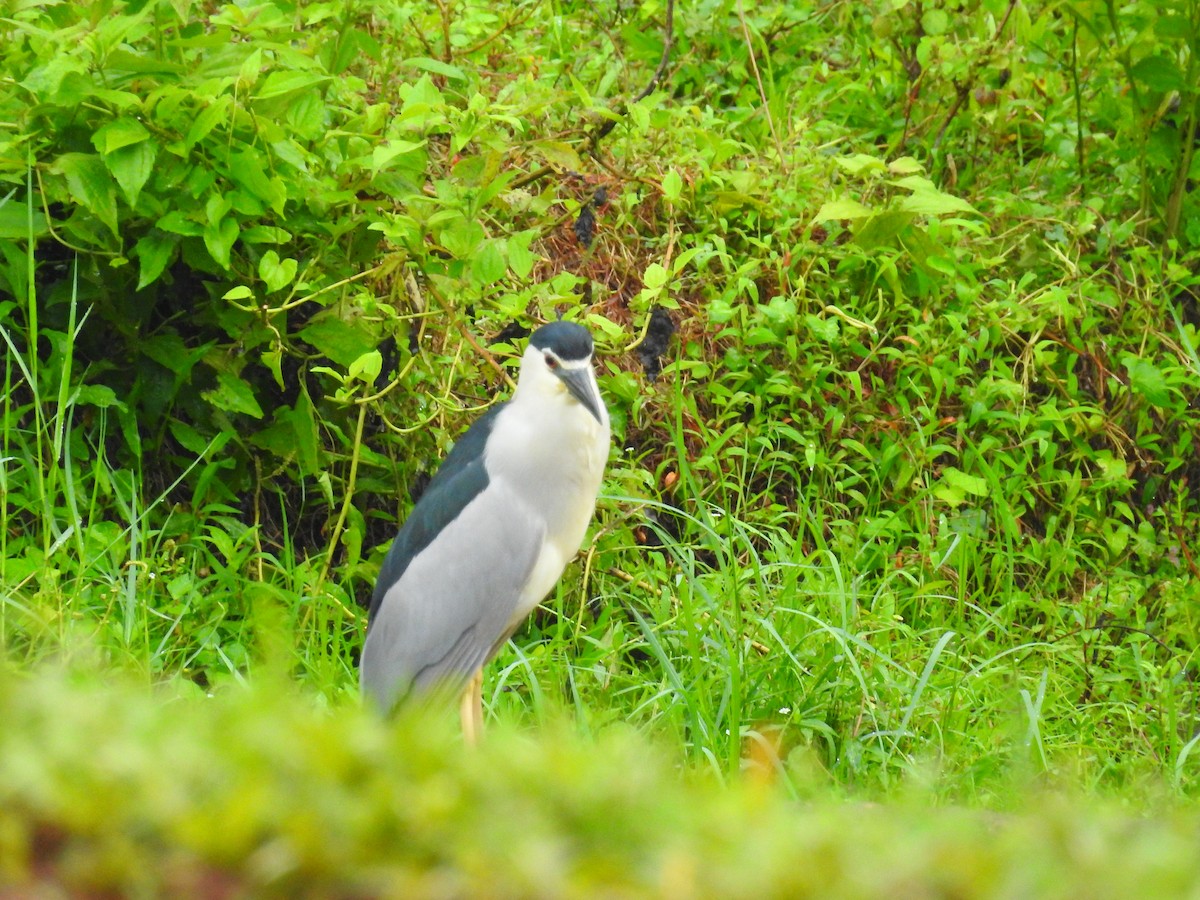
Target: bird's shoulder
[461,477]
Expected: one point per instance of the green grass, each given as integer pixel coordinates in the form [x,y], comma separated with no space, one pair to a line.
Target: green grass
[892,585]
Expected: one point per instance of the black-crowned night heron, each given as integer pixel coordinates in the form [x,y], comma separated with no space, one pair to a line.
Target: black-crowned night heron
[493,531]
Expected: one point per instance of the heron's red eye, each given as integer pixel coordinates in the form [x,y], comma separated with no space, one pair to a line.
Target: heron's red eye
[550,361]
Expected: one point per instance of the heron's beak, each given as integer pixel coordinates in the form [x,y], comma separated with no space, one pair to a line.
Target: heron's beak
[582,385]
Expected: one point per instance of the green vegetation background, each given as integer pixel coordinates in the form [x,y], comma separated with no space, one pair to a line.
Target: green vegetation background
[893,581]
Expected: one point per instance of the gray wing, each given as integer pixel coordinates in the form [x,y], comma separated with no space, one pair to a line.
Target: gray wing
[453,606]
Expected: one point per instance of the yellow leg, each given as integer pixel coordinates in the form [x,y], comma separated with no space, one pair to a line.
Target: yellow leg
[471,709]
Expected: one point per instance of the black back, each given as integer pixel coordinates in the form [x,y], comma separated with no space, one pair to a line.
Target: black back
[458,480]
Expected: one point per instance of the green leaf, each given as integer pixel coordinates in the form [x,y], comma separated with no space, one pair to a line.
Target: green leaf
[336,339]
[824,329]
[232,394]
[276,273]
[1159,73]
[844,208]
[16,223]
[861,164]
[905,165]
[967,484]
[98,395]
[282,83]
[248,171]
[672,186]
[216,111]
[559,154]
[935,21]
[154,251]
[487,263]
[177,222]
[437,67]
[520,258]
[91,186]
[383,154]
[304,424]
[265,234]
[1147,379]
[461,237]
[927,200]
[366,367]
[219,240]
[131,166]
[119,133]
[881,230]
[655,277]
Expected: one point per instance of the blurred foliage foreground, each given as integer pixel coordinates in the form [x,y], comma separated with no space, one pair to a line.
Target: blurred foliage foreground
[254,792]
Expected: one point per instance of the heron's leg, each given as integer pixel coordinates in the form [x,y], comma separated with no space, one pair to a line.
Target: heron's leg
[471,708]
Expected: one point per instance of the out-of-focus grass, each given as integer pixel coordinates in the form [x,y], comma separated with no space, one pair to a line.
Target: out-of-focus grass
[107,785]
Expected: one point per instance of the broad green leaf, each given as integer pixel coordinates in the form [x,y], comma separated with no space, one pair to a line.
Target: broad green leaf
[462,237]
[265,234]
[91,186]
[337,340]
[861,164]
[249,171]
[881,230]
[272,360]
[1159,73]
[250,69]
[17,222]
[655,277]
[214,112]
[385,153]
[154,251]
[177,223]
[560,154]
[1112,469]
[188,437]
[132,166]
[927,200]
[487,263]
[935,203]
[421,99]
[306,114]
[274,272]
[233,395]
[961,481]
[672,186]
[1147,379]
[216,207]
[437,67]
[219,240]
[824,329]
[935,21]
[281,83]
[520,258]
[366,367]
[123,132]
[844,208]
[98,395]
[238,292]
[905,165]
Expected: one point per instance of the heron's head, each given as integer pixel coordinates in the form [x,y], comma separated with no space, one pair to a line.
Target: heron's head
[557,360]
